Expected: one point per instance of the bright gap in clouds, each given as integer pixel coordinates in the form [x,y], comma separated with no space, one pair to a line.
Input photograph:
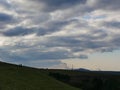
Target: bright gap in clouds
[50,33]
[107,61]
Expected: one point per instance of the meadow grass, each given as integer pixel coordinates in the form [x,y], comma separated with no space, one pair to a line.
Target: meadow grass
[14,77]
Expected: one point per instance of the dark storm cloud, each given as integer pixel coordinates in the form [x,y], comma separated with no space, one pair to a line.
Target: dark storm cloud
[22,31]
[84,41]
[62,2]
[108,4]
[5,17]
[18,31]
[32,54]
[52,27]
[112,24]
[52,5]
[55,55]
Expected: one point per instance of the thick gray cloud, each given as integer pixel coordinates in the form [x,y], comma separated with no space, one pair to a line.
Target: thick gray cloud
[43,30]
[18,31]
[5,18]
[51,27]
[52,5]
[113,24]
[108,4]
[62,2]
[54,26]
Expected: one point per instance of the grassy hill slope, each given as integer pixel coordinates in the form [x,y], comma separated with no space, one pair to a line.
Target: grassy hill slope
[13,77]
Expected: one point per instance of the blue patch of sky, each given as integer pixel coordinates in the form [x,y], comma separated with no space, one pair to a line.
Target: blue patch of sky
[87,17]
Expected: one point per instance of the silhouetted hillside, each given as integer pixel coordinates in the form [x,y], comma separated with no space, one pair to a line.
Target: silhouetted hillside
[18,77]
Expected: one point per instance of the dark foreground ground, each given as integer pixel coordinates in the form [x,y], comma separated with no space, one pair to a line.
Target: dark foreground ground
[88,80]
[18,77]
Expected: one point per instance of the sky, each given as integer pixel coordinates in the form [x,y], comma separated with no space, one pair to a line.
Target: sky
[61,33]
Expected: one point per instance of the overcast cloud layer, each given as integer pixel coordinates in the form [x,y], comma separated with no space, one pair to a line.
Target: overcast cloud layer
[52,30]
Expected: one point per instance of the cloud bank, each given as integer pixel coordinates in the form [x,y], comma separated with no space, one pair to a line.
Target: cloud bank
[43,30]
